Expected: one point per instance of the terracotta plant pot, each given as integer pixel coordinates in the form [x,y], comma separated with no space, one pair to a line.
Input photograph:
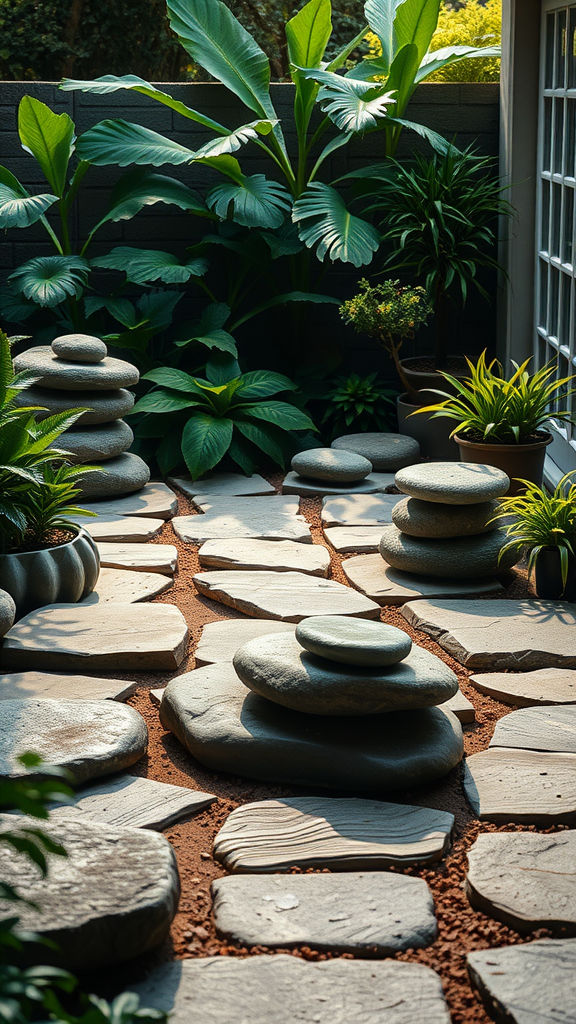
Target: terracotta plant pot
[433,436]
[524,461]
[548,576]
[425,380]
[60,575]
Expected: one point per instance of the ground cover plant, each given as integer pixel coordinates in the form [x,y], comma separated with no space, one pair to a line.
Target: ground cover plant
[361,403]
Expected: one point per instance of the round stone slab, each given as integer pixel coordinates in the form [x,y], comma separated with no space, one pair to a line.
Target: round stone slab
[525,786]
[89,738]
[103,406]
[453,483]
[526,880]
[123,474]
[458,558]
[353,641]
[552,729]
[431,520]
[289,596]
[343,467]
[386,452]
[66,375]
[110,899]
[534,983]
[95,444]
[79,348]
[7,612]
[526,689]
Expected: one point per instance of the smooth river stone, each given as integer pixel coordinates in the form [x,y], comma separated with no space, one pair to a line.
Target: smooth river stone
[353,641]
[345,539]
[307,487]
[386,452]
[66,375]
[123,474]
[223,483]
[119,529]
[162,558]
[122,586]
[372,576]
[224,518]
[342,834]
[221,640]
[525,689]
[7,612]
[89,738]
[341,467]
[458,558]
[252,553]
[103,406]
[277,668]
[359,510]
[524,786]
[79,348]
[230,729]
[97,444]
[453,483]
[375,914]
[534,983]
[154,501]
[113,897]
[552,729]
[289,596]
[526,880]
[431,520]
[19,685]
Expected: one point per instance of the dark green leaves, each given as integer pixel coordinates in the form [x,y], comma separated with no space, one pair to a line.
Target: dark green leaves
[143,266]
[49,280]
[205,441]
[121,142]
[49,137]
[209,330]
[325,223]
[253,201]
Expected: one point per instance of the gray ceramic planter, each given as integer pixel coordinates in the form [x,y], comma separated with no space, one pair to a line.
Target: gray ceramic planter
[60,575]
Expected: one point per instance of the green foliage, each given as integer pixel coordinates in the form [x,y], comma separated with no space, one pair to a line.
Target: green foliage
[475,23]
[358,402]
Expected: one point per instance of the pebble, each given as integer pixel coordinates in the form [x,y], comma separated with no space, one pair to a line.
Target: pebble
[353,641]
[79,348]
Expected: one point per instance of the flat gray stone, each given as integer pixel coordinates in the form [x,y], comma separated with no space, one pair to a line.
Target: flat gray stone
[7,612]
[222,483]
[154,501]
[112,898]
[261,989]
[161,558]
[253,553]
[386,452]
[375,914]
[66,375]
[103,406]
[97,444]
[156,695]
[353,641]
[526,880]
[533,983]
[525,786]
[108,636]
[122,586]
[228,728]
[372,576]
[289,596]
[19,685]
[457,558]
[345,539]
[89,738]
[429,519]
[460,706]
[453,483]
[124,474]
[524,689]
[225,518]
[270,504]
[341,467]
[500,633]
[359,510]
[132,802]
[119,529]
[220,640]
[342,834]
[79,348]
[306,487]
[551,729]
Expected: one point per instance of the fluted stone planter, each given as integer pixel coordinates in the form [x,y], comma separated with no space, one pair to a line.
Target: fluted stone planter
[59,575]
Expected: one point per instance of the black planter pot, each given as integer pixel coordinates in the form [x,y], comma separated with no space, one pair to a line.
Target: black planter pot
[548,576]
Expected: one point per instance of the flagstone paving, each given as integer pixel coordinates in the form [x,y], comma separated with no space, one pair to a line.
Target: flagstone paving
[534,983]
[128,800]
[120,529]
[289,596]
[161,558]
[224,518]
[154,501]
[305,487]
[525,689]
[278,555]
[371,575]
[359,510]
[551,729]
[222,483]
[524,786]
[221,640]
[460,706]
[18,685]
[124,586]
[353,538]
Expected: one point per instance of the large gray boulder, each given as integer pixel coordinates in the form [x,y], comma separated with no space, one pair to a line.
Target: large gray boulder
[432,520]
[453,483]
[341,467]
[386,452]
[458,558]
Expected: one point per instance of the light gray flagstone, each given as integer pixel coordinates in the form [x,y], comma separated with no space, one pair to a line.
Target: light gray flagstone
[222,483]
[460,706]
[353,538]
[221,640]
[524,689]
[551,729]
[123,586]
[359,510]
[131,801]
[278,555]
[161,558]
[305,487]
[154,501]
[534,983]
[224,518]
[289,596]
[372,576]
[270,504]
[119,529]
[18,685]
[525,786]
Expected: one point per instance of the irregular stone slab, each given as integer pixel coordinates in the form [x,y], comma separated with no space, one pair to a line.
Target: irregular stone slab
[460,706]
[224,518]
[522,786]
[289,596]
[154,501]
[119,529]
[331,832]
[359,510]
[552,729]
[306,487]
[252,553]
[457,558]
[386,452]
[375,914]
[524,689]
[66,375]
[97,444]
[80,348]
[156,695]
[130,801]
[89,738]
[429,519]
[266,989]
[124,474]
[125,587]
[230,729]
[18,685]
[7,612]
[223,483]
[372,576]
[220,640]
[526,880]
[161,558]
[112,898]
[340,467]
[500,634]
[453,483]
[103,406]
[109,636]
[353,538]
[533,983]
[353,641]
[224,504]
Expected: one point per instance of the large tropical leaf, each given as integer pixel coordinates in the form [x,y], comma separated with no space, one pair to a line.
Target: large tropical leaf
[209,331]
[143,266]
[262,384]
[49,137]
[415,22]
[177,380]
[280,414]
[112,83]
[121,142]
[402,77]
[20,210]
[324,222]
[451,55]
[162,401]
[233,140]
[380,15]
[353,106]
[261,437]
[280,300]
[49,280]
[205,441]
[307,35]
[140,188]
[438,142]
[254,201]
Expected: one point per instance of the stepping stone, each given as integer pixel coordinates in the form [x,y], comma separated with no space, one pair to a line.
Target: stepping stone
[220,640]
[80,348]
[386,452]
[289,596]
[154,501]
[372,576]
[457,558]
[275,518]
[230,729]
[524,689]
[353,641]
[523,786]
[102,406]
[527,881]
[359,510]
[533,983]
[453,483]
[429,519]
[331,832]
[161,558]
[460,706]
[107,637]
[124,474]
[284,989]
[7,612]
[111,899]
[276,504]
[68,375]
[375,914]
[18,685]
[121,586]
[327,464]
[279,555]
[500,633]
[353,538]
[119,529]
[156,696]
[551,729]
[130,801]
[89,738]
[305,487]
[222,483]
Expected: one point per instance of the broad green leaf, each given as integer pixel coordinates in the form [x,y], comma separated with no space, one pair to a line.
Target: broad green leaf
[49,280]
[279,300]
[416,22]
[121,142]
[307,35]
[140,188]
[157,307]
[175,379]
[121,309]
[253,202]
[17,211]
[143,266]
[49,137]
[281,414]
[13,307]
[163,401]
[284,242]
[261,384]
[402,77]
[233,140]
[258,436]
[241,453]
[209,331]
[438,142]
[222,367]
[451,55]
[325,223]
[380,15]
[205,441]
[353,106]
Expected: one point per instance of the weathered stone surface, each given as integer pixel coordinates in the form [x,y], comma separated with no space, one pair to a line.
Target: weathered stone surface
[109,637]
[79,348]
[457,558]
[522,786]
[453,483]
[274,989]
[353,641]
[270,504]
[289,596]
[112,898]
[386,452]
[90,738]
[524,689]
[103,406]
[7,612]
[154,501]
[432,520]
[66,375]
[342,834]
[533,983]
[221,640]
[307,487]
[278,555]
[222,483]
[460,706]
[526,880]
[229,728]
[125,587]
[124,474]
[375,914]
[19,685]
[132,802]
[359,510]
[161,558]
[225,518]
[551,729]
[372,575]
[500,634]
[119,529]
[353,538]
[341,467]
[97,444]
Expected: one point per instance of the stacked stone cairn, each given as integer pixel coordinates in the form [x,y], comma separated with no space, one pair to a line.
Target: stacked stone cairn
[351,464]
[76,371]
